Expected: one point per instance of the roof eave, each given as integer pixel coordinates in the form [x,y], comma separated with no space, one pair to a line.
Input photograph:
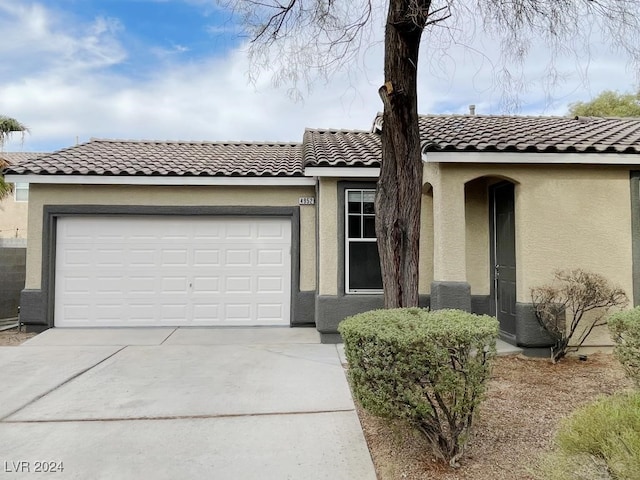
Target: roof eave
[160,180]
[524,158]
[343,172]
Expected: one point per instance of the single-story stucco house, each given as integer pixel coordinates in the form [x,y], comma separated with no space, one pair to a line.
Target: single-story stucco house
[13,208]
[137,233]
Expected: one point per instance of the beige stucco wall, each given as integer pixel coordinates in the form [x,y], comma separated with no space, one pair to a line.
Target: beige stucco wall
[565,217]
[425,265]
[328,234]
[13,218]
[41,195]
[477,236]
[328,237]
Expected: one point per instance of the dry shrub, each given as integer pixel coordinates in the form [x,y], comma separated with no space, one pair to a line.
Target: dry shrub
[573,305]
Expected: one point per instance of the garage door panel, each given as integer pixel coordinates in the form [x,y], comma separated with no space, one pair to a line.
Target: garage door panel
[268,230]
[270,284]
[141,284]
[174,285]
[142,257]
[173,311]
[239,231]
[238,311]
[108,284]
[205,312]
[271,257]
[172,271]
[77,257]
[206,285]
[175,257]
[141,312]
[238,258]
[73,284]
[109,312]
[269,311]
[206,257]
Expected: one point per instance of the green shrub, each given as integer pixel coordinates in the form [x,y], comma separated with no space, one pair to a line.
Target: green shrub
[625,329]
[427,368]
[600,440]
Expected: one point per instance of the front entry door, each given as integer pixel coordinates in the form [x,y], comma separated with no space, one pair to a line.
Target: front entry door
[504,256]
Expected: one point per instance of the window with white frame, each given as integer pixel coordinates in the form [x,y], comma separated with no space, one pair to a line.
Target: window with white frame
[21,192]
[362,261]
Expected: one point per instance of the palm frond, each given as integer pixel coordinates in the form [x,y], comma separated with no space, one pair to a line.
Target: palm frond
[8,126]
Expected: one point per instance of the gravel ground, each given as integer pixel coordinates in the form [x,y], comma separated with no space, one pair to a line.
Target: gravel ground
[13,337]
[526,400]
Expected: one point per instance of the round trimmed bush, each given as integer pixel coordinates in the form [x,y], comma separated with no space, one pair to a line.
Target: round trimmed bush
[429,368]
[625,330]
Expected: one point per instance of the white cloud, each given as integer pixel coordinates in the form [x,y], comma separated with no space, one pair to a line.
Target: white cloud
[57,80]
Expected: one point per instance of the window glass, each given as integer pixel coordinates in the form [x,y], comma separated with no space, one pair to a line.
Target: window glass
[369,223]
[354,200]
[354,226]
[364,266]
[21,191]
[361,254]
[368,203]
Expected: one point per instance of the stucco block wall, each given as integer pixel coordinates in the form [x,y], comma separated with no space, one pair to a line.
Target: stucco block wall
[252,196]
[12,275]
[13,218]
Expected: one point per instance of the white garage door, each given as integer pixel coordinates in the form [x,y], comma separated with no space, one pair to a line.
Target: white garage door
[165,270]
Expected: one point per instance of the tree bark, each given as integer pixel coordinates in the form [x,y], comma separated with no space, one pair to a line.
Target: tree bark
[399,191]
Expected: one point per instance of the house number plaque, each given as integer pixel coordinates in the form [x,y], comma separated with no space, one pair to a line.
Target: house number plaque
[307,201]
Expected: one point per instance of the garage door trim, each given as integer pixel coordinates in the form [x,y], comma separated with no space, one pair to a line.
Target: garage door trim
[52,212]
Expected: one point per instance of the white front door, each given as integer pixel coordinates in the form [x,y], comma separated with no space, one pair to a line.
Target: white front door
[171,270]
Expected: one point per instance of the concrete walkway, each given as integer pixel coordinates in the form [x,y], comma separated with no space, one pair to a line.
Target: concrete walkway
[166,403]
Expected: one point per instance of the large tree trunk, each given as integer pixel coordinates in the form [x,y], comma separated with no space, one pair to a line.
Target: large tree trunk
[400,183]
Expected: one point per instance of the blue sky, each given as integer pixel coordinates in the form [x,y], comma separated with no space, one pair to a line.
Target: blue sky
[178,70]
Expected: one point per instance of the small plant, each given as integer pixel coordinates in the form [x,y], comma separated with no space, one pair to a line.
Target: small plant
[598,441]
[571,307]
[427,368]
[625,330]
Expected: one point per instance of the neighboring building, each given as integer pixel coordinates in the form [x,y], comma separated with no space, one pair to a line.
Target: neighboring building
[14,207]
[126,233]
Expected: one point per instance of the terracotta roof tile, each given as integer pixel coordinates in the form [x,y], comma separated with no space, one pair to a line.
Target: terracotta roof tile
[13,158]
[331,148]
[530,134]
[124,157]
[338,148]
[480,133]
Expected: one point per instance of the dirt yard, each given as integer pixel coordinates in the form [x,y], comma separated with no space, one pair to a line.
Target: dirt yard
[526,399]
[13,337]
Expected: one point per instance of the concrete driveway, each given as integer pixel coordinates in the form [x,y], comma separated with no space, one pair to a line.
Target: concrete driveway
[167,403]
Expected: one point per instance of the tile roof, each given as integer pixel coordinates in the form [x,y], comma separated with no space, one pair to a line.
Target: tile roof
[530,134]
[12,158]
[123,157]
[480,133]
[339,148]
